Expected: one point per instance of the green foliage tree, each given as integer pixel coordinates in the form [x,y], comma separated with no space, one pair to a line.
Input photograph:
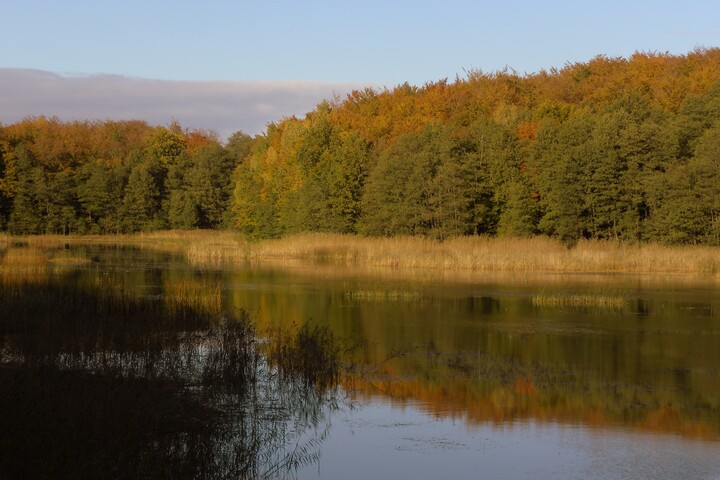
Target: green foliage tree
[59,200]
[399,197]
[239,146]
[612,148]
[686,200]
[520,213]
[209,184]
[254,205]
[100,185]
[560,161]
[334,171]
[26,216]
[142,201]
[7,182]
[166,145]
[183,211]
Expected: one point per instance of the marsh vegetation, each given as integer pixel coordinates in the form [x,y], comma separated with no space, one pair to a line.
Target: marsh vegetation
[458,255]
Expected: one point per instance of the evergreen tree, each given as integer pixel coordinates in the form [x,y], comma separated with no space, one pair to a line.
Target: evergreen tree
[141,205]
[26,217]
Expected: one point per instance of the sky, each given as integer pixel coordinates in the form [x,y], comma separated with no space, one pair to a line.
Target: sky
[233,65]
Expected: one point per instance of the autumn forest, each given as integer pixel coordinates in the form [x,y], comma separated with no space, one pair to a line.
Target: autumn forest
[614,148]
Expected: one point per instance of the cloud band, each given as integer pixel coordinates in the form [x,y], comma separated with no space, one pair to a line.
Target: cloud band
[223,106]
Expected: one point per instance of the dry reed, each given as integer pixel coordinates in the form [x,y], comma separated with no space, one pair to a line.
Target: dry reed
[401,295]
[469,254]
[24,261]
[485,254]
[203,297]
[588,300]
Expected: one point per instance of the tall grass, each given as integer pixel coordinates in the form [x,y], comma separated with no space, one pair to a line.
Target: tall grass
[484,254]
[202,297]
[384,295]
[26,263]
[311,355]
[587,300]
[473,254]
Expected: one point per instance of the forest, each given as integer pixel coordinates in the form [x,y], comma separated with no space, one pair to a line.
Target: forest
[612,148]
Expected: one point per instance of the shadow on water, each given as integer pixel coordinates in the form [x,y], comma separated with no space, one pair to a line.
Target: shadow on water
[100,383]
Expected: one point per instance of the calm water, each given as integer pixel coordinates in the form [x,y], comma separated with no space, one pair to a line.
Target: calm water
[498,377]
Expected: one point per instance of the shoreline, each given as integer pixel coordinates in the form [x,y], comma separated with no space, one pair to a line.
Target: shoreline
[536,255]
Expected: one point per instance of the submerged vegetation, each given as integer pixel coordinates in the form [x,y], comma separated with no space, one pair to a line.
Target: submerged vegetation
[613,148]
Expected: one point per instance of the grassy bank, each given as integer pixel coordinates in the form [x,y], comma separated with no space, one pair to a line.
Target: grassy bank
[474,254]
[479,254]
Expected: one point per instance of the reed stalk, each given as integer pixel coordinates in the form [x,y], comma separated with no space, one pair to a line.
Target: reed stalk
[471,254]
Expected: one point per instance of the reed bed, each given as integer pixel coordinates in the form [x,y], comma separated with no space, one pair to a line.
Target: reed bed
[392,295]
[473,254]
[68,259]
[24,261]
[205,298]
[588,300]
[217,249]
[485,254]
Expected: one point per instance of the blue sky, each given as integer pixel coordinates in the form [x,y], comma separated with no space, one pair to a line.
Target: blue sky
[338,43]
[382,42]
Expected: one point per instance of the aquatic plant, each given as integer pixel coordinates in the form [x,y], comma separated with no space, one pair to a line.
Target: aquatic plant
[98,381]
[311,355]
[581,300]
[385,295]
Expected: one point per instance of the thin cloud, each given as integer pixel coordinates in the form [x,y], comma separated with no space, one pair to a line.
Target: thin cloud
[225,107]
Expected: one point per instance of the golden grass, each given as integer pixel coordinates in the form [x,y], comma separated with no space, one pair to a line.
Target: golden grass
[464,254]
[588,300]
[391,295]
[24,260]
[68,259]
[217,249]
[27,264]
[484,254]
[203,297]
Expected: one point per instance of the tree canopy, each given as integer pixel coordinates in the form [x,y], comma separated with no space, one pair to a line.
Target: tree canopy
[612,148]
[112,177]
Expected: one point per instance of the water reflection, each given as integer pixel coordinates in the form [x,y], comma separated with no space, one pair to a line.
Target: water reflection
[100,382]
[404,444]
[623,353]
[574,351]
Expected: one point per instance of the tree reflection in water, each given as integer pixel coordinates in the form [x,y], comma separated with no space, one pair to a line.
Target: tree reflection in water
[98,383]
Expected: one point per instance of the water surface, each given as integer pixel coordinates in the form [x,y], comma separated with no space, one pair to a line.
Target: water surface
[543,376]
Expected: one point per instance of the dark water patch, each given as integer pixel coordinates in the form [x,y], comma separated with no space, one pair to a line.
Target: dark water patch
[100,383]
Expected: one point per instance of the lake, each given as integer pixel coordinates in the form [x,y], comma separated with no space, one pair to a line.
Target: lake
[442,375]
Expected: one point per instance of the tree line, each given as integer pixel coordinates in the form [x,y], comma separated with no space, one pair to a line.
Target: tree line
[612,148]
[113,177]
